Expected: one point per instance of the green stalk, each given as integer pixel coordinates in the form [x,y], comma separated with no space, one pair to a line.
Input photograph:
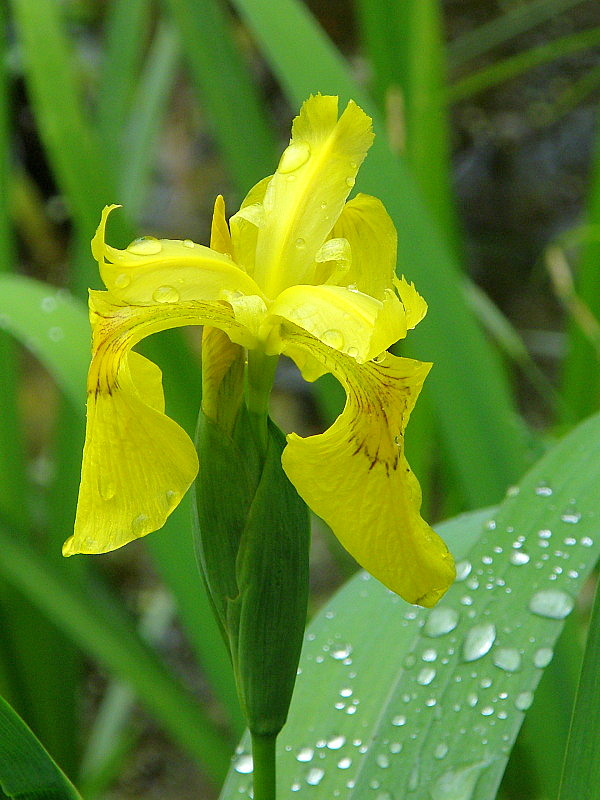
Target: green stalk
[264,770]
[260,376]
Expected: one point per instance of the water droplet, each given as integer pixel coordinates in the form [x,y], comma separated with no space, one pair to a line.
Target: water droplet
[463,570]
[524,700]
[512,491]
[429,655]
[472,699]
[479,641]
[300,243]
[139,526]
[341,652]
[333,338]
[572,517]
[380,358]
[48,304]
[440,751]
[346,692]
[507,658]
[440,621]
[426,675]
[293,157]
[487,711]
[56,333]
[243,764]
[383,761]
[345,763]
[188,243]
[352,352]
[122,280]
[519,557]
[350,181]
[323,205]
[551,603]
[165,294]
[543,490]
[543,657]
[586,541]
[315,776]
[352,287]
[305,754]
[172,498]
[336,742]
[399,720]
[457,784]
[145,246]
[106,487]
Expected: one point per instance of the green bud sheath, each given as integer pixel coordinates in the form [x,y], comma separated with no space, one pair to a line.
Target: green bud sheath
[252,539]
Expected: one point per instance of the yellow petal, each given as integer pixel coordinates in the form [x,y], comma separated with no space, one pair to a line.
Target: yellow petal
[167,271]
[367,226]
[414,305]
[244,227]
[137,463]
[344,319]
[356,477]
[220,237]
[307,193]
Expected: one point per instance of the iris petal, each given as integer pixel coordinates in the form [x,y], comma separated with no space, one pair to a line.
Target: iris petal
[166,270]
[344,319]
[356,477]
[121,498]
[365,223]
[307,193]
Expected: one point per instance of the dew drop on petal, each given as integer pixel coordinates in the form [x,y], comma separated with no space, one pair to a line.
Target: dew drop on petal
[440,621]
[145,246]
[479,641]
[350,181]
[293,157]
[188,243]
[399,720]
[139,525]
[551,603]
[300,243]
[440,751]
[333,338]
[122,280]
[463,570]
[353,352]
[48,304]
[345,763]
[165,294]
[519,557]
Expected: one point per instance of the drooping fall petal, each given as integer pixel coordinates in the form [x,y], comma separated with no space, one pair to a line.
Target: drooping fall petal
[356,477]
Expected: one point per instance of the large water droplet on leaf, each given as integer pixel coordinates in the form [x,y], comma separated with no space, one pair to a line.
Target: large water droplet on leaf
[440,621]
[551,603]
[479,641]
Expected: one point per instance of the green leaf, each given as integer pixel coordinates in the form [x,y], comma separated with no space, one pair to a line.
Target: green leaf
[508,68]
[393,699]
[26,770]
[521,18]
[581,775]
[225,87]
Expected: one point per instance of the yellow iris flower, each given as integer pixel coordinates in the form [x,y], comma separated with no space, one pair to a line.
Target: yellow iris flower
[298,271]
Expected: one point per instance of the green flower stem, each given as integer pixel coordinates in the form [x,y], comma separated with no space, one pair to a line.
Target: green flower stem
[263,756]
[260,375]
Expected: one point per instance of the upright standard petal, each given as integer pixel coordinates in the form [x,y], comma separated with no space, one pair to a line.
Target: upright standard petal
[356,477]
[137,463]
[307,193]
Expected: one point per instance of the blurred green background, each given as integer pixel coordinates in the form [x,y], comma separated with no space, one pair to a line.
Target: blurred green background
[487,159]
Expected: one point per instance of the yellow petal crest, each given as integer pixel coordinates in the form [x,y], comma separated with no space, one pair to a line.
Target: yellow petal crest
[307,193]
[367,226]
[344,319]
[356,477]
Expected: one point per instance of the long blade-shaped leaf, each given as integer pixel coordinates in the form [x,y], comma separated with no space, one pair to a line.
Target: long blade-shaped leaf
[485,440]
[394,699]
[26,770]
